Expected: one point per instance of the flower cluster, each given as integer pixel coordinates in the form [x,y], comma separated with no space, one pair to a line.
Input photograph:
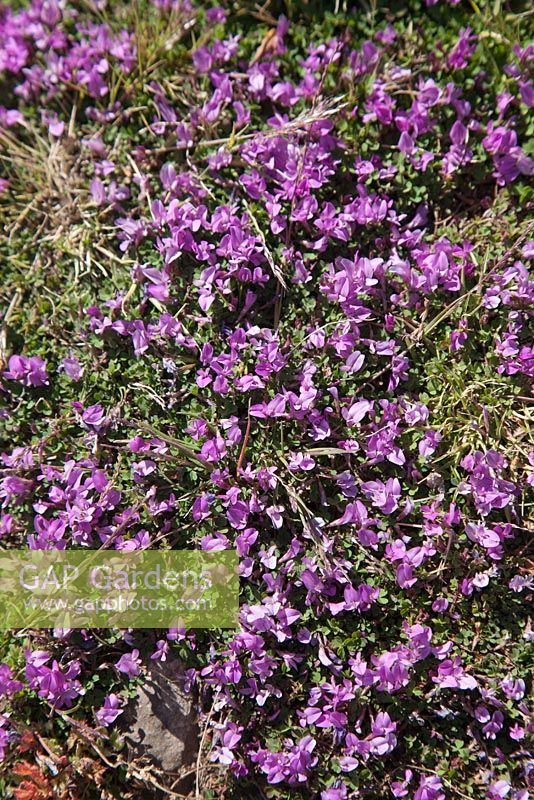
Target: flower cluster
[311,347]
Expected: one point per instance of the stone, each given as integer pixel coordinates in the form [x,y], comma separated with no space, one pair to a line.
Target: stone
[160,726]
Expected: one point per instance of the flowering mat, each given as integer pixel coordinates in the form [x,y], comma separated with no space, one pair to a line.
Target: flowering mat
[265,287]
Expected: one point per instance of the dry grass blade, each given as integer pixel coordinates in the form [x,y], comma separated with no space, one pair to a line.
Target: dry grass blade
[275,269]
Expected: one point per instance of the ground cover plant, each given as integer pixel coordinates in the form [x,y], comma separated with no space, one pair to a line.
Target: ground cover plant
[265,286]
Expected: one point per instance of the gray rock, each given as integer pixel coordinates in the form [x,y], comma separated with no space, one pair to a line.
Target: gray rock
[160,726]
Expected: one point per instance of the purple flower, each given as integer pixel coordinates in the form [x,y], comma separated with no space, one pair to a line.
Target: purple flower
[498,790]
[8,686]
[459,336]
[110,710]
[430,788]
[494,725]
[335,793]
[301,461]
[161,651]
[94,417]
[58,686]
[28,371]
[285,282]
[230,736]
[517,733]
[357,412]
[291,765]
[428,444]
[129,663]
[451,675]
[4,736]
[143,469]
[72,367]
[383,495]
